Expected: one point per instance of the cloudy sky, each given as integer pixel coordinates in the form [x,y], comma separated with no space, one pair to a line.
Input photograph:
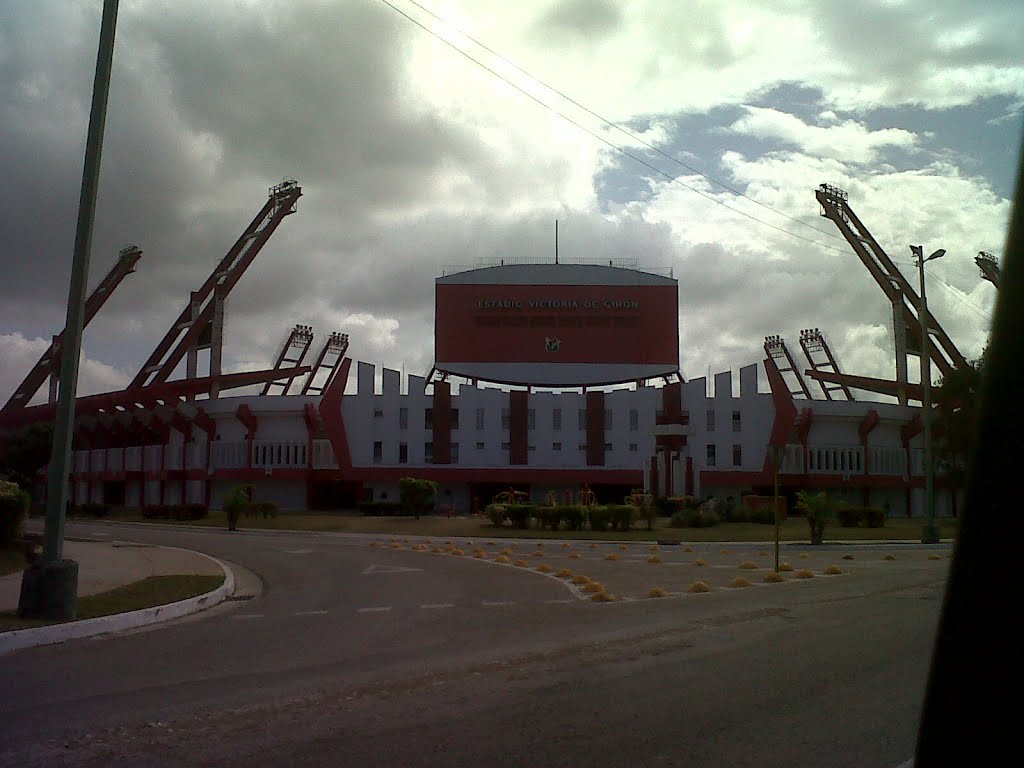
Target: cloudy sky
[412,157]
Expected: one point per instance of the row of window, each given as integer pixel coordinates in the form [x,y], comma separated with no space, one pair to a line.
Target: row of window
[712,455]
[428,450]
[556,419]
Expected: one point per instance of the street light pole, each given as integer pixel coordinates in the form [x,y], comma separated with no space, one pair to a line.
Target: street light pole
[50,589]
[930,532]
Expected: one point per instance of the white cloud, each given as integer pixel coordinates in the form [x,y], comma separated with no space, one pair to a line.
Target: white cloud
[19,354]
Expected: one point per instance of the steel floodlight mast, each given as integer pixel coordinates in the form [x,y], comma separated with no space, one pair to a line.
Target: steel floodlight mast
[902,295]
[989,267]
[200,322]
[49,364]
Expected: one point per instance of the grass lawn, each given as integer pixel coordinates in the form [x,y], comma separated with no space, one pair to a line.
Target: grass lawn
[794,529]
[11,561]
[151,591]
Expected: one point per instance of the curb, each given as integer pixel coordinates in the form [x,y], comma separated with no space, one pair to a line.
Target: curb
[118,622]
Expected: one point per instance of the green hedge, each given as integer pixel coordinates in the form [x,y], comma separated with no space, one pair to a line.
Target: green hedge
[180,512]
[851,516]
[14,504]
[380,508]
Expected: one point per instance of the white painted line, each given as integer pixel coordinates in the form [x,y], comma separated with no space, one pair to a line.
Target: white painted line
[908,764]
[557,602]
[437,605]
[299,551]
[498,602]
[378,609]
[310,613]
[374,569]
[242,616]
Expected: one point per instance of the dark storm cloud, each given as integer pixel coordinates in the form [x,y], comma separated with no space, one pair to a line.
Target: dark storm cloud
[579,19]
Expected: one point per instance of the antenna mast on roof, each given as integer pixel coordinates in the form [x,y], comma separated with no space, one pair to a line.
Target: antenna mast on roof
[556,241]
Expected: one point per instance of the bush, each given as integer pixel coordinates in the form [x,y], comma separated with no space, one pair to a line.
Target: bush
[575,516]
[549,517]
[520,514]
[817,509]
[621,516]
[93,509]
[851,516]
[695,518]
[598,518]
[764,515]
[237,503]
[379,508]
[738,513]
[496,513]
[417,496]
[678,519]
[14,504]
[264,509]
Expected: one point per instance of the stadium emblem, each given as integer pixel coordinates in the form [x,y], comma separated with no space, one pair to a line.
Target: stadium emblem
[551,344]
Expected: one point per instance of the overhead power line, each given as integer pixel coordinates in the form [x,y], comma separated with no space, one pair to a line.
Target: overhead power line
[638,139]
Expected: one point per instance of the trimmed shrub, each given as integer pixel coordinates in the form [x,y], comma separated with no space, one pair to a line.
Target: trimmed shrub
[93,509]
[764,515]
[237,502]
[549,517]
[622,516]
[379,508]
[496,514]
[874,517]
[695,518]
[599,518]
[416,495]
[14,504]
[520,514]
[574,516]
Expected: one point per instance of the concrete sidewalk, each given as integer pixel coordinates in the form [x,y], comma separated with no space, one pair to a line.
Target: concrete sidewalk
[102,566]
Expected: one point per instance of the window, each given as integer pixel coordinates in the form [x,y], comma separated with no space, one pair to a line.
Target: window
[506,446]
[403,453]
[686,417]
[633,447]
[556,446]
[378,413]
[607,418]
[607,447]
[582,446]
[403,418]
[428,418]
[428,453]
[711,456]
[531,447]
[556,420]
[506,419]
[479,446]
[453,418]
[378,452]
[737,455]
[455,453]
[711,421]
[479,418]
[737,424]
[582,419]
[634,420]
[531,419]
[659,415]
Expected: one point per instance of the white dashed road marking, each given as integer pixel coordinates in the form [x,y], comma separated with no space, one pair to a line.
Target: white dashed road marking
[310,613]
[299,551]
[374,569]
[498,602]
[557,602]
[377,609]
[243,616]
[431,606]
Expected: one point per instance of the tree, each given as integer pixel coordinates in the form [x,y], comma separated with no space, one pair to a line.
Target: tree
[416,495]
[954,420]
[25,453]
[817,509]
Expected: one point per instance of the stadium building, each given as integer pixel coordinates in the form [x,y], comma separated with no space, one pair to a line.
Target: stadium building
[547,378]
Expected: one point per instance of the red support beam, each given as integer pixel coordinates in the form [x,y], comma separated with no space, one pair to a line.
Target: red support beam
[595,429]
[331,413]
[441,430]
[519,411]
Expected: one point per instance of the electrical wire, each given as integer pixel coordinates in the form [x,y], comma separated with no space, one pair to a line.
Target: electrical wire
[671,179]
[615,126]
[611,144]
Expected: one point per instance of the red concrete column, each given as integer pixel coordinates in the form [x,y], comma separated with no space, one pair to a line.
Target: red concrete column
[441,427]
[519,437]
[595,429]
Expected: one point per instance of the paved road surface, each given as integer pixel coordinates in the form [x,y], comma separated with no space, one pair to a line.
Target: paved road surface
[348,660]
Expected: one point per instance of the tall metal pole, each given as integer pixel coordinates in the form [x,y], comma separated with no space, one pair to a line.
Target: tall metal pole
[776,460]
[930,532]
[60,459]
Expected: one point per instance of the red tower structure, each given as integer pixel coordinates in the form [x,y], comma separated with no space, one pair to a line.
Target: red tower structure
[820,358]
[49,363]
[775,347]
[293,353]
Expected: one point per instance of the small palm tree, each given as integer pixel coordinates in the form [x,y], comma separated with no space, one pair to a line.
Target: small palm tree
[817,508]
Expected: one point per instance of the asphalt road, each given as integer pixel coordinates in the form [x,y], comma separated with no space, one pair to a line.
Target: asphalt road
[347,659]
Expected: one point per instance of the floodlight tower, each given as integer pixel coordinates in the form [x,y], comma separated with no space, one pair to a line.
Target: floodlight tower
[989,267]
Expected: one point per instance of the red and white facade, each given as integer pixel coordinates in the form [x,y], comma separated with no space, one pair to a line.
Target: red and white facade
[370,427]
